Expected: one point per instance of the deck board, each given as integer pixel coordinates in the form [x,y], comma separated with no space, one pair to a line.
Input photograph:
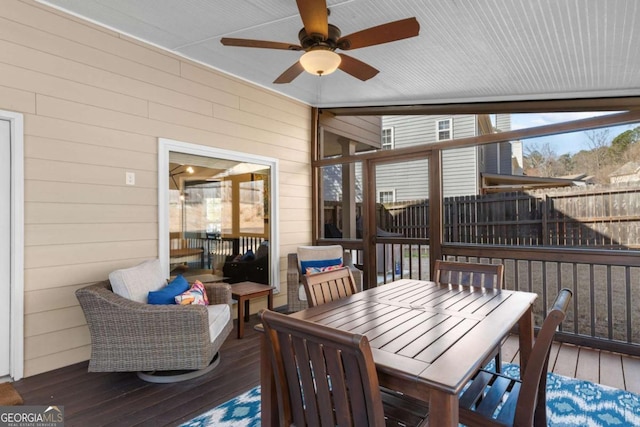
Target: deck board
[567,360]
[611,370]
[598,366]
[588,365]
[631,369]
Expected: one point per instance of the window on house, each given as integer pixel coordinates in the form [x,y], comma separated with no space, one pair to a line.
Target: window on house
[387,138]
[386,196]
[444,129]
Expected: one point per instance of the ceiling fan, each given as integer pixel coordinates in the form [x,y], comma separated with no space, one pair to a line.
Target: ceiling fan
[319,40]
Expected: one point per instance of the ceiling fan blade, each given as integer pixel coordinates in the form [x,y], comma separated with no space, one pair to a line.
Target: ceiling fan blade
[385,33]
[356,68]
[314,17]
[258,43]
[290,73]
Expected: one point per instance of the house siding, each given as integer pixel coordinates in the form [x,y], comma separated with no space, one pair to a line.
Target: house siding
[459,166]
[501,152]
[95,103]
[460,172]
[414,185]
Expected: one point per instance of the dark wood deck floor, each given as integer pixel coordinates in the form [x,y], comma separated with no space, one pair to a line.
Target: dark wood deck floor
[121,399]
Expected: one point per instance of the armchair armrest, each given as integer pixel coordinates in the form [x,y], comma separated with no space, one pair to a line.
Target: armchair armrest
[293,284]
[218,293]
[293,271]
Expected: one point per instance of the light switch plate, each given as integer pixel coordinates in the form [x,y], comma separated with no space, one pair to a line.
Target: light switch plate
[130,178]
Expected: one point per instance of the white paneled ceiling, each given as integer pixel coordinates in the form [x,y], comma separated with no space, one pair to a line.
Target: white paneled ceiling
[467,50]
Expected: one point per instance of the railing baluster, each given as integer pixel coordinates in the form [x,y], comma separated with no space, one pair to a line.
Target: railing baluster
[544,289]
[576,296]
[609,303]
[627,287]
[593,299]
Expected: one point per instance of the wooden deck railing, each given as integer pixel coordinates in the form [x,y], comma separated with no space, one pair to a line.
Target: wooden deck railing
[605,285]
[217,248]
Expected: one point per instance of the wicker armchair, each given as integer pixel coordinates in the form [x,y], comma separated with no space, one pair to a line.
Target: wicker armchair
[296,294]
[132,336]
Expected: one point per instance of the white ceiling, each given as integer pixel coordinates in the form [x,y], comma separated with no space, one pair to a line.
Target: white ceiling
[467,50]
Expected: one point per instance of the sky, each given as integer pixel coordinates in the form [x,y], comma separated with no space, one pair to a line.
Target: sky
[567,143]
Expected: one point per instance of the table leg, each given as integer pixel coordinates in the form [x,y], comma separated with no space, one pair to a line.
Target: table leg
[246,310]
[525,334]
[270,300]
[443,409]
[240,317]
[268,397]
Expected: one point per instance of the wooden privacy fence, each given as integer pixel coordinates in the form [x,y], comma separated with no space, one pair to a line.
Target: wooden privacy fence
[605,216]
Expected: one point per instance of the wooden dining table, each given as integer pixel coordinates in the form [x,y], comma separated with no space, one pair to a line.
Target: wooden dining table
[427,339]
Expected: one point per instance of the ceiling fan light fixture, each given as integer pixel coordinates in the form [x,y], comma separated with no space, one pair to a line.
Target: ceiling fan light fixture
[320,62]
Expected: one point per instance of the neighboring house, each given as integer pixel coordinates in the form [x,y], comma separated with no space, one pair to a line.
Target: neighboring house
[629,172]
[461,167]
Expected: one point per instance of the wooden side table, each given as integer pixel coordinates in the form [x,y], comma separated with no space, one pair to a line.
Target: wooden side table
[243,292]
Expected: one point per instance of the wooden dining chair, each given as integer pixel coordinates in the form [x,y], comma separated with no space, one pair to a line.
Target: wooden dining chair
[490,276]
[328,286]
[523,401]
[325,376]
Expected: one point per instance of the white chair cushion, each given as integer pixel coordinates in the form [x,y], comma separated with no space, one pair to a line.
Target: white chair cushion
[219,315]
[312,253]
[302,294]
[136,282]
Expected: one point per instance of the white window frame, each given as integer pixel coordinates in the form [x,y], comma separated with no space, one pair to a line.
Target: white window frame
[392,138]
[165,146]
[438,130]
[392,191]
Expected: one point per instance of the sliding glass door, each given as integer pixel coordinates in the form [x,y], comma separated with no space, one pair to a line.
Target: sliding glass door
[218,207]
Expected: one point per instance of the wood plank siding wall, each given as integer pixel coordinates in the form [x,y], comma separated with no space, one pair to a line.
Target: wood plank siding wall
[95,103]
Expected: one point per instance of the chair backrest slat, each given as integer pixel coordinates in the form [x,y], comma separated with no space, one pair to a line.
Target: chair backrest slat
[329,286]
[469,274]
[323,376]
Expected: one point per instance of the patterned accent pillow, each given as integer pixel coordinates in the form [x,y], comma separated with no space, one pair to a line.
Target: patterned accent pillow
[319,263]
[195,295]
[314,270]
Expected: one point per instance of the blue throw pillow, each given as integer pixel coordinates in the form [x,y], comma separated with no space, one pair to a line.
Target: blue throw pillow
[321,263]
[248,256]
[168,294]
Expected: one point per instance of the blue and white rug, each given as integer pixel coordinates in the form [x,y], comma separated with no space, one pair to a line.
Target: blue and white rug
[570,402]
[241,411]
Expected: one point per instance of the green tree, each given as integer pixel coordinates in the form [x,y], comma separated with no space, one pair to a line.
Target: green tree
[621,143]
